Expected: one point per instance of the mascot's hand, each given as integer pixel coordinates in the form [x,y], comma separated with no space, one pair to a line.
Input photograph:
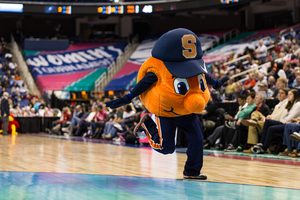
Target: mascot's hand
[221,82]
[118,102]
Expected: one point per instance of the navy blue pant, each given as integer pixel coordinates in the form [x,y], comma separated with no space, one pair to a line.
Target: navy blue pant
[288,130]
[161,136]
[270,128]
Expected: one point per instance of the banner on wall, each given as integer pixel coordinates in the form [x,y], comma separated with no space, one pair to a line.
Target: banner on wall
[73,61]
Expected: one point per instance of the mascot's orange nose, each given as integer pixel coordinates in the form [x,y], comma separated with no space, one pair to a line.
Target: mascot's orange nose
[194,103]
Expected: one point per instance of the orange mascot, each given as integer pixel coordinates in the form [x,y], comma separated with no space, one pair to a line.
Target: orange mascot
[172,84]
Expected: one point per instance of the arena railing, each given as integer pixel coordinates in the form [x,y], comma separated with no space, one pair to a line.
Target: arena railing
[114,68]
[268,64]
[246,56]
[24,71]
[230,34]
[288,29]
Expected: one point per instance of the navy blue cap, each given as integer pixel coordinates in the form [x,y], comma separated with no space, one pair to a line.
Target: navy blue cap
[181,52]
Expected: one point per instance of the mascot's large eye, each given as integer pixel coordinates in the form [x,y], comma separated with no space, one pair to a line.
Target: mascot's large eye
[202,85]
[181,86]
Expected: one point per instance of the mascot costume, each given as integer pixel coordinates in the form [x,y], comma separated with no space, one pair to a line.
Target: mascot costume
[12,126]
[172,84]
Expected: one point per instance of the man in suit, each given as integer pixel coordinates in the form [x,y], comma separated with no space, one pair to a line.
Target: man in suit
[5,112]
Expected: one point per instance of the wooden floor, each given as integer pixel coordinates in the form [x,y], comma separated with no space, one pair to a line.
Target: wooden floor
[40,154]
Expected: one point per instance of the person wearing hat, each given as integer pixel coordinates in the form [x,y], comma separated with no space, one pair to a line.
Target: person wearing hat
[263,89]
[172,84]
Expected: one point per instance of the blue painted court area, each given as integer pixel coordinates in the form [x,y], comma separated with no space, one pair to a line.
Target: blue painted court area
[27,185]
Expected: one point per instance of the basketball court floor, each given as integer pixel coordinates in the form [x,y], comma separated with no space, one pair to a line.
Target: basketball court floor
[51,167]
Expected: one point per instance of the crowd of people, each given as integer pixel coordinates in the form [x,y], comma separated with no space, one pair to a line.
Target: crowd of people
[21,102]
[256,127]
[95,120]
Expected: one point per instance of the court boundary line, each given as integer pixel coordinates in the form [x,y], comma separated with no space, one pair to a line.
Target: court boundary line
[184,180]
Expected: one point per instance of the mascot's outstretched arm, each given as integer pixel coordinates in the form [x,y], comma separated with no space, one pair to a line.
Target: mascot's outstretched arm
[146,83]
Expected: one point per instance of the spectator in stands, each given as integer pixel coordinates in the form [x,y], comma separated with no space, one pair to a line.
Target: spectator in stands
[250,83]
[101,114]
[27,96]
[293,147]
[296,73]
[280,83]
[15,87]
[279,38]
[230,86]
[292,33]
[257,120]
[18,111]
[297,82]
[2,91]
[228,130]
[208,116]
[109,127]
[17,77]
[261,51]
[128,111]
[12,65]
[23,88]
[260,79]
[238,136]
[48,112]
[271,82]
[101,117]
[77,114]
[85,122]
[8,74]
[34,95]
[24,112]
[239,89]
[292,110]
[60,123]
[33,113]
[254,64]
[277,47]
[11,103]
[280,72]
[261,105]
[263,89]
[6,83]
[16,97]
[5,66]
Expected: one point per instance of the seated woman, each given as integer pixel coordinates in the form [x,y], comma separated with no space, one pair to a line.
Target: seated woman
[292,110]
[84,123]
[239,134]
[111,128]
[293,147]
